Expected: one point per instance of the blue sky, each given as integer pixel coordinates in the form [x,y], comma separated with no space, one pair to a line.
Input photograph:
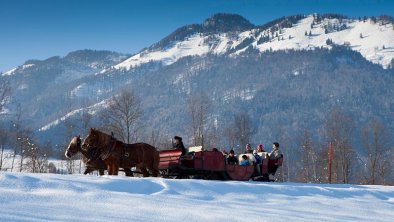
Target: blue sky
[44,28]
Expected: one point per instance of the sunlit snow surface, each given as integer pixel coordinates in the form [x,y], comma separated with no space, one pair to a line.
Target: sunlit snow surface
[48,197]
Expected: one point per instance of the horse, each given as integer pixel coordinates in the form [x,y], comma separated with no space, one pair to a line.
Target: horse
[75,146]
[115,153]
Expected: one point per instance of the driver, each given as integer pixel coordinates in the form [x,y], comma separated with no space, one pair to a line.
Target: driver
[179,144]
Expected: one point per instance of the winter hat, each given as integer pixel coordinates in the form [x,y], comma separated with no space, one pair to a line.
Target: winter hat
[177,138]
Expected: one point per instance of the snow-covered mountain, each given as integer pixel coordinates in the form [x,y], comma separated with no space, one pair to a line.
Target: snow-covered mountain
[241,66]
[373,38]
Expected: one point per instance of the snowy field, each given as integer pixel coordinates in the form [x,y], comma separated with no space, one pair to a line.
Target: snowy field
[53,197]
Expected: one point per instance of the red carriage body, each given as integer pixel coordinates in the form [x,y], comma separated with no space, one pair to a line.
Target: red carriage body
[208,165]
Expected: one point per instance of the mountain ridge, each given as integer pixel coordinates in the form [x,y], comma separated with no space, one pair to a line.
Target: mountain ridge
[373,37]
[58,90]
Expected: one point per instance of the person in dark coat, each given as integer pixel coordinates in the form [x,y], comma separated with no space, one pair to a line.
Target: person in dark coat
[231,159]
[248,149]
[179,144]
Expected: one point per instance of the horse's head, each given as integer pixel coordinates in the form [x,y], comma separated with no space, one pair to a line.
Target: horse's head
[91,140]
[74,147]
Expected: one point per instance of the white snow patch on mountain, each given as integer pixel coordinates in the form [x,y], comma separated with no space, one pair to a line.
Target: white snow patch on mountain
[243,94]
[376,43]
[12,71]
[374,38]
[91,110]
[27,66]
[53,197]
[9,72]
[194,45]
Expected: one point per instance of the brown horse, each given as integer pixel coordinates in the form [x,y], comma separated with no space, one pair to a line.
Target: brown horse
[115,153]
[75,146]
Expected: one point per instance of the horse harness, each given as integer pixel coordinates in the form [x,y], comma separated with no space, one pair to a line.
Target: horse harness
[94,154]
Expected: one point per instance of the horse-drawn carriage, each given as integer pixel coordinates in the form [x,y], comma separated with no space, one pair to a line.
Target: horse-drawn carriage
[212,165]
[102,151]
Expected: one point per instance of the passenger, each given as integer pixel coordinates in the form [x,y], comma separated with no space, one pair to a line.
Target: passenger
[179,144]
[215,149]
[224,152]
[248,149]
[244,161]
[257,157]
[260,148]
[231,159]
[275,154]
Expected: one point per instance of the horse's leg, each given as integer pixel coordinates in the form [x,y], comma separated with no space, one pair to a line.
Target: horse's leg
[88,170]
[110,169]
[128,172]
[155,165]
[101,172]
[144,171]
[115,169]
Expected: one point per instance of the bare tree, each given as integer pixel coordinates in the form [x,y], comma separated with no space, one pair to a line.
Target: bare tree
[308,158]
[231,135]
[375,145]
[243,128]
[3,142]
[25,143]
[240,131]
[386,167]
[70,128]
[16,133]
[198,107]
[85,120]
[339,130]
[5,91]
[155,138]
[122,116]
[38,157]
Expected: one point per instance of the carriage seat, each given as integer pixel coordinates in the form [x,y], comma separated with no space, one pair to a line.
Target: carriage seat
[250,156]
[263,154]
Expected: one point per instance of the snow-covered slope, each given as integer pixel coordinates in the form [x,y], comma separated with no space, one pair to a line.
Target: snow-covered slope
[48,197]
[90,110]
[22,67]
[374,40]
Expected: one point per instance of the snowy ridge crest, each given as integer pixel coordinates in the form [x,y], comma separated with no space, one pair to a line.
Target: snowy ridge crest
[373,39]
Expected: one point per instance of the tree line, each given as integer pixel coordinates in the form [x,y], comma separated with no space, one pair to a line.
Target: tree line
[306,154]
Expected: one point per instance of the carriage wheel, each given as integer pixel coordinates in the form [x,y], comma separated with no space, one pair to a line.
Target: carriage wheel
[214,176]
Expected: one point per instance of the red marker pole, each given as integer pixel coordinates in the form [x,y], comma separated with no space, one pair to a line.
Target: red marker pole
[329,162]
